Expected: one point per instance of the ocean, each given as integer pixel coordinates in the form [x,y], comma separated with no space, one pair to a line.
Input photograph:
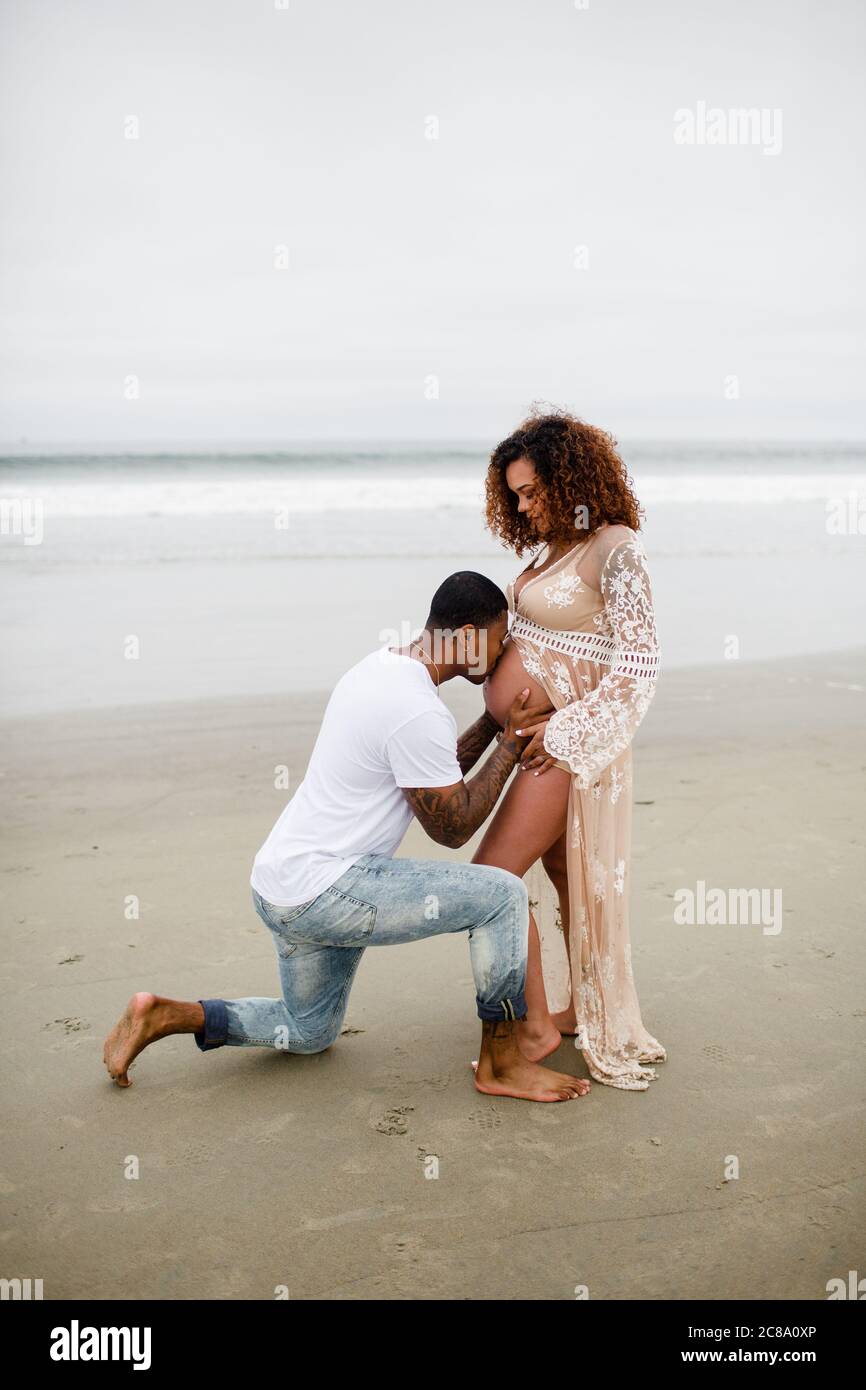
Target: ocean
[132,576]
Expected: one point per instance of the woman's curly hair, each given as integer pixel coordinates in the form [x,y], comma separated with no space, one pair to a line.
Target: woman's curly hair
[576,464]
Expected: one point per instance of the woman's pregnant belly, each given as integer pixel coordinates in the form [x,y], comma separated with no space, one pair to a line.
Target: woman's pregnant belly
[508,678]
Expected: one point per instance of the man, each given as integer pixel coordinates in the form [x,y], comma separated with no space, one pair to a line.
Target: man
[326,883]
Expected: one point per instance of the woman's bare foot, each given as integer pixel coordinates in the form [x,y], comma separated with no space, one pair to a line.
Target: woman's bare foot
[503,1070]
[537,1040]
[566,1022]
[146,1018]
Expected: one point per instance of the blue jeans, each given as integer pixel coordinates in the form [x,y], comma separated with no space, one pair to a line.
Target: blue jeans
[377,902]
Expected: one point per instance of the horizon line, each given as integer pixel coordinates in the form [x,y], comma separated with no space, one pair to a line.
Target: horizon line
[285,443]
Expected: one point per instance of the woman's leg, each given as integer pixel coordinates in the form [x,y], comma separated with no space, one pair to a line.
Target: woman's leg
[529,821]
[556,867]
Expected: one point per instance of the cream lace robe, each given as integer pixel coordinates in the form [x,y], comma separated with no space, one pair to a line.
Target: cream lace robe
[585,630]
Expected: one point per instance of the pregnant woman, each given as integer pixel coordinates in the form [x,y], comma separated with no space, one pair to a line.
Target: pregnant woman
[583,634]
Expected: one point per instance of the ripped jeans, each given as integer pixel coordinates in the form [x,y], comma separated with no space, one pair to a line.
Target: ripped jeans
[377,902]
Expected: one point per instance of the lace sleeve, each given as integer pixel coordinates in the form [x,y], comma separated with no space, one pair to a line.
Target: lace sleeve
[591,732]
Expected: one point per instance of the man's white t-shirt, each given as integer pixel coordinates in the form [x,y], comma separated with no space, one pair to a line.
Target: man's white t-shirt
[385,727]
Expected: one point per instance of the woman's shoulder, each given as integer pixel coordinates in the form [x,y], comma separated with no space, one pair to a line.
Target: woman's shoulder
[615,533]
[608,537]
[614,545]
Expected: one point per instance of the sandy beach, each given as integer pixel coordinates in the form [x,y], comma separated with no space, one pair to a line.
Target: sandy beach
[258,1170]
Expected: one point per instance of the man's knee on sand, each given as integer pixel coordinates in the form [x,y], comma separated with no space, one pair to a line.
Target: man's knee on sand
[307,1045]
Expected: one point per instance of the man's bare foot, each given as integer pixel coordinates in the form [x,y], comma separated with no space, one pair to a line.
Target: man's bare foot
[574,1084]
[566,1023]
[537,1040]
[146,1018]
[503,1070]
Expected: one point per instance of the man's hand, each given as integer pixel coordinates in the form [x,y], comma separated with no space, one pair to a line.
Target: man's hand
[522,719]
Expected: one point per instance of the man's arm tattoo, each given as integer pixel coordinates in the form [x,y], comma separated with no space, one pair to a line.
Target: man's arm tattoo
[451,817]
[474,740]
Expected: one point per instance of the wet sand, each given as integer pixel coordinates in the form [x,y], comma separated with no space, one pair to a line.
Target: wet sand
[258,1169]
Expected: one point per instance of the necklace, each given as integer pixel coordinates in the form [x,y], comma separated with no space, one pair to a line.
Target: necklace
[430,662]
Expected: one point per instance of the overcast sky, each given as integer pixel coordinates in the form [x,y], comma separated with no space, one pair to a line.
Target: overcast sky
[412,258]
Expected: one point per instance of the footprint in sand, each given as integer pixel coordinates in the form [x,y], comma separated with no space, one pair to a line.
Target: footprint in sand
[69,1025]
[485,1119]
[394,1120]
[441,1082]
[716,1053]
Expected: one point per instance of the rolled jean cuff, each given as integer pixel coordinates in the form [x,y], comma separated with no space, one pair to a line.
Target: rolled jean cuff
[216,1025]
[503,1009]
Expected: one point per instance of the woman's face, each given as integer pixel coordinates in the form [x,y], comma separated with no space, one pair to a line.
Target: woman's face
[524,482]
